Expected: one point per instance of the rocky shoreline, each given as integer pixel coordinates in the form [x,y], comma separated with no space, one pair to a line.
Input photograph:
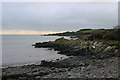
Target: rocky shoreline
[87,59]
[73,67]
[80,47]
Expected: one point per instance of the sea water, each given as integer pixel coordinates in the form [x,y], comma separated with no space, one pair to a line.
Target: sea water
[18,50]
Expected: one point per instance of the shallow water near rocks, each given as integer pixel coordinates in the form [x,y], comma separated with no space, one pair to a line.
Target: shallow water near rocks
[18,50]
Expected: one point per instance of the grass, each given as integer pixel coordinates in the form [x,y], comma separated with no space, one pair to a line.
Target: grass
[108,34]
[90,30]
[110,42]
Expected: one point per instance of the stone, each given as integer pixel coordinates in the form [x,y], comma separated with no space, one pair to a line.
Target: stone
[37,77]
[82,68]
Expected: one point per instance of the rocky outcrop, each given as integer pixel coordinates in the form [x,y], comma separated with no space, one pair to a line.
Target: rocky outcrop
[63,48]
[79,47]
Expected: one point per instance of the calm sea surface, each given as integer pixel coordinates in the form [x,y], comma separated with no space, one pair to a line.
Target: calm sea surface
[18,50]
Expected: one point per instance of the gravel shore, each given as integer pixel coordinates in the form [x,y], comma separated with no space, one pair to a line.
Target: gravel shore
[72,67]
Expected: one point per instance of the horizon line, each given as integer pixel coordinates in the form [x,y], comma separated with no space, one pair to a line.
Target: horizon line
[27,32]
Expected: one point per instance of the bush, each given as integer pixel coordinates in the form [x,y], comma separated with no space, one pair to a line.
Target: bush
[109,34]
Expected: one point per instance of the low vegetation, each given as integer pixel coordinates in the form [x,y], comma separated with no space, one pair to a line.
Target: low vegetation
[89,41]
[110,35]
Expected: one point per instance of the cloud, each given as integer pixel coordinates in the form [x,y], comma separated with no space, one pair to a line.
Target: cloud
[60,0]
[58,16]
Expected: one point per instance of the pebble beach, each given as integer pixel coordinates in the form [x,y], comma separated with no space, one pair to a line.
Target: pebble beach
[72,67]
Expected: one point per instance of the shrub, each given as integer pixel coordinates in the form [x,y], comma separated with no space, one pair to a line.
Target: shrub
[109,34]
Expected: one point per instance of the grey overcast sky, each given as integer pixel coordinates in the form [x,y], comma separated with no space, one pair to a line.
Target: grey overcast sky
[57,17]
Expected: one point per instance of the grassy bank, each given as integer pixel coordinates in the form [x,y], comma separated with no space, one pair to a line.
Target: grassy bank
[92,34]
[103,42]
[75,47]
